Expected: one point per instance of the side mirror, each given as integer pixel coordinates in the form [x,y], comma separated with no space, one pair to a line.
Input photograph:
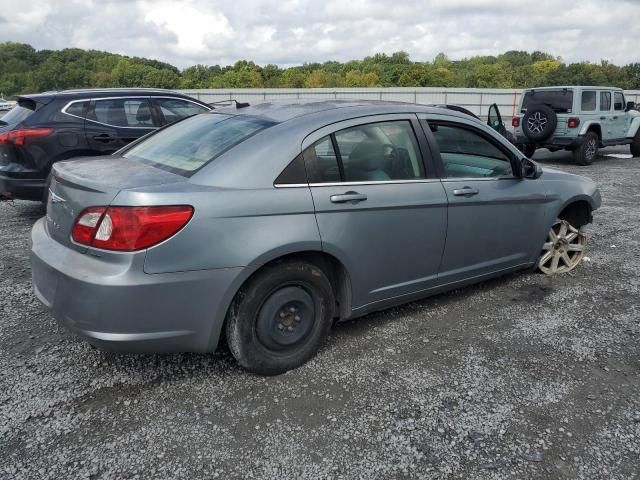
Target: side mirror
[630,106]
[529,169]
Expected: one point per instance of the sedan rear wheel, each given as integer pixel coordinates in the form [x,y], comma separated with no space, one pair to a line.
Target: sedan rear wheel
[564,249]
[280,318]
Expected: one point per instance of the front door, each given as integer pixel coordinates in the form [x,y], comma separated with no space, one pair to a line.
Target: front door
[620,117]
[494,218]
[112,123]
[605,108]
[376,208]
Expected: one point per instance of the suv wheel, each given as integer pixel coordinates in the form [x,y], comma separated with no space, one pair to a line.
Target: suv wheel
[588,149]
[539,122]
[280,318]
[635,144]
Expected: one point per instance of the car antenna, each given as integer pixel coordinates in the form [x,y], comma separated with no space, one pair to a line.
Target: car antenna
[238,104]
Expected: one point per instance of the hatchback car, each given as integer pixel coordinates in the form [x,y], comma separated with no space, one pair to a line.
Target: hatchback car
[273,221]
[46,128]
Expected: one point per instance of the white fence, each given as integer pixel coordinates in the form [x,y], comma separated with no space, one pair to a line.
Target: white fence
[477,100]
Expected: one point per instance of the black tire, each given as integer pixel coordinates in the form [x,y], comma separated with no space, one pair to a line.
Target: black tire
[539,122]
[587,151]
[635,144]
[280,319]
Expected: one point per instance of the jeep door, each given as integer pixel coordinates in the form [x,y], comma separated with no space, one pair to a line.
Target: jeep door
[112,123]
[620,118]
[605,117]
[379,210]
[589,109]
[495,219]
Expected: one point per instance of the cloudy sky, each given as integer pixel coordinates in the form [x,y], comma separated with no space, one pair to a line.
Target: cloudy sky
[290,32]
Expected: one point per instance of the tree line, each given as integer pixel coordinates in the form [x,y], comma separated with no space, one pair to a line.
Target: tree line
[24,69]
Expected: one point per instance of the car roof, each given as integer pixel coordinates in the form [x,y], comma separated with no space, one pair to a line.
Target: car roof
[46,97]
[583,87]
[280,111]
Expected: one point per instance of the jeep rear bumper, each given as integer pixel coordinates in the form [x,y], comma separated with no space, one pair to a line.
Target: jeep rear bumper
[553,142]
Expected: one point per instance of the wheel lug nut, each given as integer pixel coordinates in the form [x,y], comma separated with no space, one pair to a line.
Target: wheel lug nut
[280,326]
[291,309]
[282,314]
[290,328]
[296,318]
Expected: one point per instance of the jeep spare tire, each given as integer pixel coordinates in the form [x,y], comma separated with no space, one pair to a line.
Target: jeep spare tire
[539,122]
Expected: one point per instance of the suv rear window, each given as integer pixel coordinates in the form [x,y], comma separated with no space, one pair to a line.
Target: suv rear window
[190,144]
[17,114]
[561,100]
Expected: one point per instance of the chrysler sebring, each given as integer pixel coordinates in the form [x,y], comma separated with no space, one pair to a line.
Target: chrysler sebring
[272,221]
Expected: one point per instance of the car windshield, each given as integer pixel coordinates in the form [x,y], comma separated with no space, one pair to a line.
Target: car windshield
[561,100]
[190,144]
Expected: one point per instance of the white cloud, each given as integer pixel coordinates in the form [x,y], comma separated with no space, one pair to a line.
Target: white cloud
[287,32]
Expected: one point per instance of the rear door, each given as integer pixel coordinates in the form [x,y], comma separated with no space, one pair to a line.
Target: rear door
[588,108]
[112,123]
[171,110]
[494,218]
[378,208]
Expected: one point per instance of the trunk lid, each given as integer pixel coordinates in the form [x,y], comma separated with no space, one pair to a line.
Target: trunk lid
[93,182]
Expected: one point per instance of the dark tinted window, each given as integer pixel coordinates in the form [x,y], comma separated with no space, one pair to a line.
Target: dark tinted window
[186,146]
[174,109]
[561,101]
[122,112]
[605,101]
[379,152]
[322,162]
[618,101]
[294,173]
[588,103]
[467,154]
[78,109]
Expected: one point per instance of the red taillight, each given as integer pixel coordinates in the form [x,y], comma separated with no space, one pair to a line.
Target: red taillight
[19,137]
[129,228]
[573,122]
[515,122]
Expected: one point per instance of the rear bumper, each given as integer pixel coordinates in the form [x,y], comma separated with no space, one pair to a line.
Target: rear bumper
[118,307]
[553,142]
[22,188]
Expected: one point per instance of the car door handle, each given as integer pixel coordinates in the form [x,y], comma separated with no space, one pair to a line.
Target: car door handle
[466,192]
[603,118]
[615,118]
[104,137]
[353,197]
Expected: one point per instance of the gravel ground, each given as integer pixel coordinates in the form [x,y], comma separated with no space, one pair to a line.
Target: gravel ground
[525,376]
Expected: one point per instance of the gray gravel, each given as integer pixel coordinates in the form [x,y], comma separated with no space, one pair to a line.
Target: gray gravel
[520,377]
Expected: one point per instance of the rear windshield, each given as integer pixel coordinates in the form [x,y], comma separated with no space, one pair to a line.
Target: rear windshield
[561,100]
[16,115]
[190,144]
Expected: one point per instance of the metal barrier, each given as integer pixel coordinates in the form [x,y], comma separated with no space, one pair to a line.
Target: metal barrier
[477,100]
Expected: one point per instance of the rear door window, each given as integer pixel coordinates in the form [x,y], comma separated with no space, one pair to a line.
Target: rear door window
[187,146]
[123,112]
[561,100]
[174,109]
[605,101]
[588,101]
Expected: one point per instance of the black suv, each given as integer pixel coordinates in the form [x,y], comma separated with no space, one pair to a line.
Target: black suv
[45,128]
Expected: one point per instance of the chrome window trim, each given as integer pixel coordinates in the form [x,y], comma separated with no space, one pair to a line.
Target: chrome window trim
[64,109]
[345,184]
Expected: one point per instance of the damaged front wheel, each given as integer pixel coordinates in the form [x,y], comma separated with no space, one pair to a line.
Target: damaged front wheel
[564,249]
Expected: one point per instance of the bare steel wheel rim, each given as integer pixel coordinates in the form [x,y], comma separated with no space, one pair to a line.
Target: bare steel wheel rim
[564,249]
[537,122]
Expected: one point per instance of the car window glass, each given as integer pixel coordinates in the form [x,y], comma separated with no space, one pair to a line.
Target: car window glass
[379,152]
[561,100]
[467,154]
[174,109]
[588,101]
[16,115]
[77,109]
[605,101]
[187,146]
[122,112]
[321,162]
[618,101]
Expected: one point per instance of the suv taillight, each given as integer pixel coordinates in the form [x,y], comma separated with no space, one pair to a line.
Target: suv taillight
[515,122]
[127,229]
[573,122]
[19,137]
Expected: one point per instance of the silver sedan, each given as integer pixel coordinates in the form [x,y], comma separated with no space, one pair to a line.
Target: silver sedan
[270,222]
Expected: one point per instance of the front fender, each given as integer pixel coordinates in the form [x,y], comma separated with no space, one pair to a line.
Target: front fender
[633,128]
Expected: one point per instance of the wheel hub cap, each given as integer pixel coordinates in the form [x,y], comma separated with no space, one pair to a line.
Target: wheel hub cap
[563,250]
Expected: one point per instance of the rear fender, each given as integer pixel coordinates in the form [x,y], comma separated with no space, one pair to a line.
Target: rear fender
[590,124]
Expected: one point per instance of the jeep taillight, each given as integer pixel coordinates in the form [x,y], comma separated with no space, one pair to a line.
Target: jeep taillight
[19,137]
[515,122]
[573,122]
[127,229]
